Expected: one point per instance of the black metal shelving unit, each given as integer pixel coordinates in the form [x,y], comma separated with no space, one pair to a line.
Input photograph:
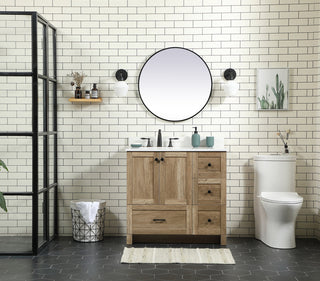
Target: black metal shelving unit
[44,138]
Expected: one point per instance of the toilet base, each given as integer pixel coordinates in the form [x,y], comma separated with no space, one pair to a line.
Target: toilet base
[278,247]
[277,228]
[276,236]
[275,224]
[279,243]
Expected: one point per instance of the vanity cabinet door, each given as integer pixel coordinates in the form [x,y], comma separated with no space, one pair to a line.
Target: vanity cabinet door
[143,178]
[176,178]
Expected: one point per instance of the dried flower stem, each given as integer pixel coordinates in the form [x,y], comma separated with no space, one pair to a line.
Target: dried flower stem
[77,78]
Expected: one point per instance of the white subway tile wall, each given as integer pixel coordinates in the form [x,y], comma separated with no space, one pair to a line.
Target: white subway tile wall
[99,37]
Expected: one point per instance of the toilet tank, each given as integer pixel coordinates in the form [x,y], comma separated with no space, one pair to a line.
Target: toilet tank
[274,173]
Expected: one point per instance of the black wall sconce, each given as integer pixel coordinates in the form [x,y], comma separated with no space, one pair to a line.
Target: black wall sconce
[121,87]
[231,87]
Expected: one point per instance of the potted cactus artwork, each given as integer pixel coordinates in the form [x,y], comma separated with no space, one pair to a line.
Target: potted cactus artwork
[272,89]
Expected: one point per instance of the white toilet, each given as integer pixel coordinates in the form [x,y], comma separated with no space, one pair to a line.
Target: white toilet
[276,204]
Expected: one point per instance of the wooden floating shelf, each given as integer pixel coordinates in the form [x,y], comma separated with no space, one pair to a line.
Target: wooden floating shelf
[98,100]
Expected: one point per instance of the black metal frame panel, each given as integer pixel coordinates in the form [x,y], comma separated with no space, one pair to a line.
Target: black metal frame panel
[37,19]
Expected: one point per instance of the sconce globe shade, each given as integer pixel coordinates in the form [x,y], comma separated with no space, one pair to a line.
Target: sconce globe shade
[231,88]
[121,88]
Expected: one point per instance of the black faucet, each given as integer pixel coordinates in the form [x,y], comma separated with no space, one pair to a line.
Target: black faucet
[159,141]
[170,141]
[149,143]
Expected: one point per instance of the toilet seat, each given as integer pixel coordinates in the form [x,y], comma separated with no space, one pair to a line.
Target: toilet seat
[281,197]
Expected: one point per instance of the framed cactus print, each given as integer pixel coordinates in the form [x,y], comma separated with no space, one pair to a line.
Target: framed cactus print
[272,89]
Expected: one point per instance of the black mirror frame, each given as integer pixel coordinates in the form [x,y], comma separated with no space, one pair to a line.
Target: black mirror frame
[193,114]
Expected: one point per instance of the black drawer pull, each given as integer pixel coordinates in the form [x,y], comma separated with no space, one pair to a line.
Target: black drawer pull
[209,220]
[157,160]
[159,220]
[162,159]
[209,191]
[209,164]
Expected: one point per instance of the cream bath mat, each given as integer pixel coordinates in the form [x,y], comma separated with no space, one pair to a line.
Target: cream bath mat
[177,255]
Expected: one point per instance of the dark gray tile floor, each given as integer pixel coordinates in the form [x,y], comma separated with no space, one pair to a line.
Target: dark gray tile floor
[16,244]
[66,259]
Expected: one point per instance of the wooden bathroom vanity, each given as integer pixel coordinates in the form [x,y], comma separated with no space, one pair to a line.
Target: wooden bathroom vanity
[176,192]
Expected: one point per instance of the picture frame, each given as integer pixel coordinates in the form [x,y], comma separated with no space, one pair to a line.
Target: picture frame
[272,89]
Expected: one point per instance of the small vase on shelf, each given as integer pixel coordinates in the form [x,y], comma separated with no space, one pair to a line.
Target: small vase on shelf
[78,93]
[77,81]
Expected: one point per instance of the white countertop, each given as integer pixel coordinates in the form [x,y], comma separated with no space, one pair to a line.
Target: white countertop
[198,149]
[182,144]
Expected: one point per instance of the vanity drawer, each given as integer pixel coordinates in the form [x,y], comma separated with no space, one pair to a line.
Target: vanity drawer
[207,221]
[159,222]
[208,193]
[209,166]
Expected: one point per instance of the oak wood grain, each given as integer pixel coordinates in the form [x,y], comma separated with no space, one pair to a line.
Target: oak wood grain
[173,193]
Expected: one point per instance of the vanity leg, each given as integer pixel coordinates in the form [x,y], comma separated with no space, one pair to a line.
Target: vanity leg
[129,239]
[223,239]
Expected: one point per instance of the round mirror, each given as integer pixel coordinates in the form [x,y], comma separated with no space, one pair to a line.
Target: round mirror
[175,84]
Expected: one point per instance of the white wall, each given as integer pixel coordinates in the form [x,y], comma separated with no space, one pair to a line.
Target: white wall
[98,37]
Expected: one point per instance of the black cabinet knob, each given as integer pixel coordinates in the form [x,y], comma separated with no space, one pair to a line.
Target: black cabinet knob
[209,220]
[209,164]
[162,159]
[156,159]
[209,191]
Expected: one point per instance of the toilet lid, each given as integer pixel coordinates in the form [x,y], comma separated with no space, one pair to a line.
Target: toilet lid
[281,197]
